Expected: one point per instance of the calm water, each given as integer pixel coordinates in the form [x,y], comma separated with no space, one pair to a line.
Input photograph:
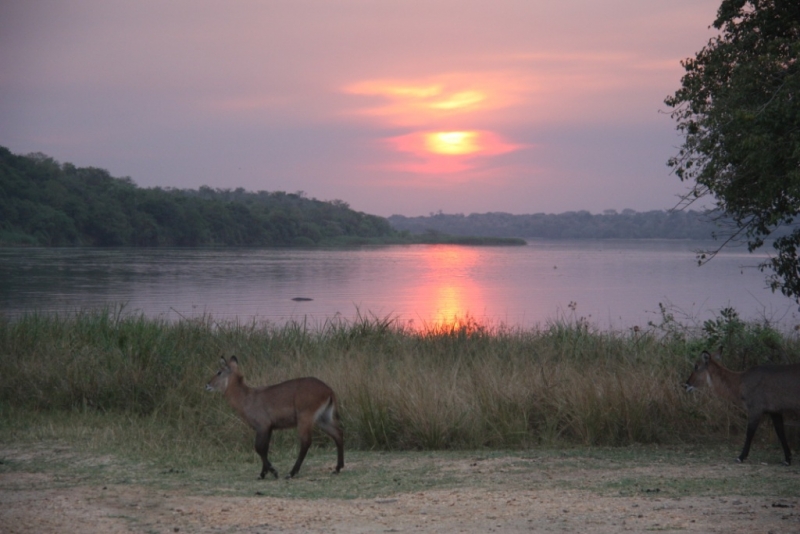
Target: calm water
[614,284]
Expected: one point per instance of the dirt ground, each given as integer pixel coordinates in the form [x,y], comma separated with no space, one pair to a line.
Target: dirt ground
[131,508]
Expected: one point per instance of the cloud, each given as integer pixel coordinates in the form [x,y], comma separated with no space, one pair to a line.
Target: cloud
[436,99]
[444,114]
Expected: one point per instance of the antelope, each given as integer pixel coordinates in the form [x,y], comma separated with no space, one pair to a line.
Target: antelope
[300,403]
[764,389]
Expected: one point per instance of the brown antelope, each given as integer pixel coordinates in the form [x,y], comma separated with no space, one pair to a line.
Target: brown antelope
[300,403]
[764,389]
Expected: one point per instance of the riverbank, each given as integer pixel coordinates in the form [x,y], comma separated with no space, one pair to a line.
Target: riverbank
[105,427]
[463,386]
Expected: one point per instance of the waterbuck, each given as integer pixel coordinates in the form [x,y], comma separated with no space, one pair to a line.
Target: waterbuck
[301,403]
[764,389]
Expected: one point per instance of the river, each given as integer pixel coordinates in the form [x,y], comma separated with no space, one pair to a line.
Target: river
[612,284]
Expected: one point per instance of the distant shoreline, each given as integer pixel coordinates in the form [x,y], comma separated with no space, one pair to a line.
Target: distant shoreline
[467,241]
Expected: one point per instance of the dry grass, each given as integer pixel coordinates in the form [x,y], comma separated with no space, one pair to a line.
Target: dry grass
[463,387]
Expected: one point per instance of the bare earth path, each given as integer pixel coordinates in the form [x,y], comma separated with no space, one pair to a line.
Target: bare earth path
[510,493]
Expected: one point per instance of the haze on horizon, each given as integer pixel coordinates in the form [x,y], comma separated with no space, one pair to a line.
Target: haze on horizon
[395,107]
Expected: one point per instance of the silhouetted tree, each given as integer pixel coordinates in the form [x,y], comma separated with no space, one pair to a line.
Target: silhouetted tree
[738,109]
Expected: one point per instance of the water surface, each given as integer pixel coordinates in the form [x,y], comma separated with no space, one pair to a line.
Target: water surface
[614,284]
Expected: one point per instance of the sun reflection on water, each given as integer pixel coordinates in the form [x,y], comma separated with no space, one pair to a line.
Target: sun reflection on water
[448,296]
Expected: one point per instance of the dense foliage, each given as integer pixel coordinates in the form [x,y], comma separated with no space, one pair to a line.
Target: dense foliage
[43,202]
[576,224]
[739,111]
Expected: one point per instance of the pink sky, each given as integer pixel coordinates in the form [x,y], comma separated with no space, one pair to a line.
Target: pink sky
[404,107]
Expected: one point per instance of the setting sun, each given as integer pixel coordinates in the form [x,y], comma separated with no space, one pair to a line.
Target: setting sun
[430,109]
[452,143]
[448,151]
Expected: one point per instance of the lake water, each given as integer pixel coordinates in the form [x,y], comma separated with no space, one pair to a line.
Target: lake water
[613,284]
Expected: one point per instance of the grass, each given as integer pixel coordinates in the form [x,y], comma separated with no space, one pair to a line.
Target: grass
[135,385]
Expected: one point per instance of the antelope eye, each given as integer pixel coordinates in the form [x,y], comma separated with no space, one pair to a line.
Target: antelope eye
[219,373]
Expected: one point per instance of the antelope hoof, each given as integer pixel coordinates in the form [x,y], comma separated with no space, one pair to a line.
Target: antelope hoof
[271,470]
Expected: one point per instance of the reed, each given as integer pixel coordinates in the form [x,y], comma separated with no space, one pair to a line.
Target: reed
[462,386]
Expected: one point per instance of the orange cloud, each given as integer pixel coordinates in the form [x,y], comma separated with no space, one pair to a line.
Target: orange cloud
[431,106]
[425,100]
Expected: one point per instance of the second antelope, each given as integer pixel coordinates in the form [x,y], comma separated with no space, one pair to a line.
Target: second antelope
[764,389]
[300,403]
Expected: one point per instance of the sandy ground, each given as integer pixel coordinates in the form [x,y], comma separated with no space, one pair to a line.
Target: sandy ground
[131,508]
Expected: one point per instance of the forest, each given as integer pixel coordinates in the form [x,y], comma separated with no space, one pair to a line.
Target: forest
[47,203]
[628,224]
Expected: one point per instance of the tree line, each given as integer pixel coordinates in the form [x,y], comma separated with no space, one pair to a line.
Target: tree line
[45,203]
[610,224]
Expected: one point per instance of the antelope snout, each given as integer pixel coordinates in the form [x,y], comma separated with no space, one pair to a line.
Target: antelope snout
[688,387]
[209,388]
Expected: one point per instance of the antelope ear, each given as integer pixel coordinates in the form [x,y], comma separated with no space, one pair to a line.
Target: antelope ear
[705,356]
[233,363]
[718,355]
[222,363]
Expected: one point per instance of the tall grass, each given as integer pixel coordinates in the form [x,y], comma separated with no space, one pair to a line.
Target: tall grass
[461,386]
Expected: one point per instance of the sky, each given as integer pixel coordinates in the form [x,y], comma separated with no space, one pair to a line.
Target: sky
[395,107]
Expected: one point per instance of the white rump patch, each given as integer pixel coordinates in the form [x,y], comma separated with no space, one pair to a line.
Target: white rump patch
[324,413]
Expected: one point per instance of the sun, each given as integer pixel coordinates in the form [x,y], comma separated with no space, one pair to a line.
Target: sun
[448,151]
[431,110]
[452,143]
